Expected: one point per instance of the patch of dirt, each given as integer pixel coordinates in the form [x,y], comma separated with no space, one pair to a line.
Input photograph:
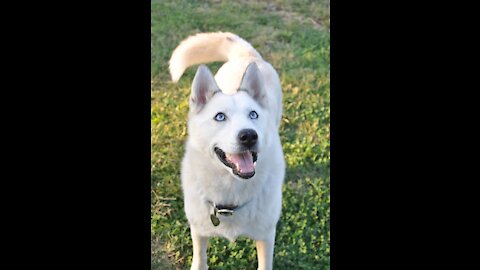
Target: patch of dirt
[294,16]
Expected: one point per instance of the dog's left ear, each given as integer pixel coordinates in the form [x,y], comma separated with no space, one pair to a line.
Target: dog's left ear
[252,83]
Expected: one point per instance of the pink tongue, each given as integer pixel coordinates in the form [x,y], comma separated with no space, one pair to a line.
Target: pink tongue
[243,162]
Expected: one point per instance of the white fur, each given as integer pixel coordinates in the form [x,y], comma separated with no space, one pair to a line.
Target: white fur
[204,176]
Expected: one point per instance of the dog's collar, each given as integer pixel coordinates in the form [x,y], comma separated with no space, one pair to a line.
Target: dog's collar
[224,210]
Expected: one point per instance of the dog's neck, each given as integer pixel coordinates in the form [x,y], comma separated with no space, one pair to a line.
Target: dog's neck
[224,189]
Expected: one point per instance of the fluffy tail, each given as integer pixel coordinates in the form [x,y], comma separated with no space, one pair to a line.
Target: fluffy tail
[209,47]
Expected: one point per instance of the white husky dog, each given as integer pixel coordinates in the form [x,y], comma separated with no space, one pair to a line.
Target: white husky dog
[233,168]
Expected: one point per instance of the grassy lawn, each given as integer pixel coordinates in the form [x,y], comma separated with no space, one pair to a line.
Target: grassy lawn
[294,36]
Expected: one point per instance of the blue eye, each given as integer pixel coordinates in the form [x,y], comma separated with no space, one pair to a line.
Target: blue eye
[253,115]
[220,117]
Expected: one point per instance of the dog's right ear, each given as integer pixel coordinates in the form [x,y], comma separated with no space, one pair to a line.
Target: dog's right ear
[203,88]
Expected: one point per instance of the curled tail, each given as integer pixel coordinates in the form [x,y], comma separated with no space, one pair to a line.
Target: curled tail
[209,47]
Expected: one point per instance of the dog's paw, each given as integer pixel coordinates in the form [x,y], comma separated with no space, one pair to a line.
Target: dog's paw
[199,267]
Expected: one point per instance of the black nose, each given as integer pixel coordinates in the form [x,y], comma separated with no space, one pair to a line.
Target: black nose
[247,137]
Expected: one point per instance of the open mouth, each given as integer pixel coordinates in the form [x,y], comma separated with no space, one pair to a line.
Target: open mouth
[242,164]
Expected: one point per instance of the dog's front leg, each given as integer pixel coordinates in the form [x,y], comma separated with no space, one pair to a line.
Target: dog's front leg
[265,252]
[200,245]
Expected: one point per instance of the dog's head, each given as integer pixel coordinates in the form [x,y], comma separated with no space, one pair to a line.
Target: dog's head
[229,129]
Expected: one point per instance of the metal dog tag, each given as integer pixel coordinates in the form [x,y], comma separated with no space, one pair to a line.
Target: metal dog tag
[214,218]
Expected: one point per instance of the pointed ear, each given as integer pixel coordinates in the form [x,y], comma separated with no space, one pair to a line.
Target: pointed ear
[252,83]
[203,88]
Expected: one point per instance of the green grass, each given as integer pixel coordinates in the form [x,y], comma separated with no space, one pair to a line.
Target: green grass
[294,37]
